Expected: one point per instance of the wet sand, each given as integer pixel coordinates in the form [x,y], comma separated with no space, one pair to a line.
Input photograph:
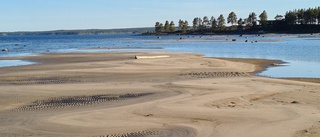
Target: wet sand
[114,94]
[260,64]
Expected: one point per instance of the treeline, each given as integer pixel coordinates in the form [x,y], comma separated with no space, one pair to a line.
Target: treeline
[82,32]
[301,21]
[303,16]
[295,21]
[213,24]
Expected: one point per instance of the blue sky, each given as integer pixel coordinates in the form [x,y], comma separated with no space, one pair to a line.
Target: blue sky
[39,15]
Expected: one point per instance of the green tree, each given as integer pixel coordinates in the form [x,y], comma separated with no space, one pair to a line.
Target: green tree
[290,18]
[158,27]
[240,22]
[172,27]
[221,21]
[167,26]
[318,14]
[214,23]
[300,16]
[313,15]
[205,21]
[211,20]
[185,26]
[263,18]
[196,23]
[232,18]
[252,19]
[181,22]
[307,16]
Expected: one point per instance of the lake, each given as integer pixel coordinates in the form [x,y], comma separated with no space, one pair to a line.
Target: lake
[300,51]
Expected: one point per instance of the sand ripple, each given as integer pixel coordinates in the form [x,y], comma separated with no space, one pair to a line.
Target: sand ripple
[76,101]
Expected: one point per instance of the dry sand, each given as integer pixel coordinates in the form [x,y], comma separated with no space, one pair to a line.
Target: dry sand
[184,95]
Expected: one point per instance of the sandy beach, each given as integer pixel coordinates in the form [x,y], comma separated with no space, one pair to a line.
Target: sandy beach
[175,95]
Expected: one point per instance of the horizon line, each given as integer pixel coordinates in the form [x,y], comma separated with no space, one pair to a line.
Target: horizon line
[72,29]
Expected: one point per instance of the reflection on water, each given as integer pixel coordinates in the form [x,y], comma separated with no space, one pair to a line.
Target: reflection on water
[10,63]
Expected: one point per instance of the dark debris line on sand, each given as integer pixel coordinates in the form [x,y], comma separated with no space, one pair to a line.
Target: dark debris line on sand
[77,101]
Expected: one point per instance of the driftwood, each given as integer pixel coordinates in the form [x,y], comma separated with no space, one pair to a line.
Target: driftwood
[151,57]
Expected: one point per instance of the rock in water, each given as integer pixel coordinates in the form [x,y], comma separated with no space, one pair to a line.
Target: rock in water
[5,50]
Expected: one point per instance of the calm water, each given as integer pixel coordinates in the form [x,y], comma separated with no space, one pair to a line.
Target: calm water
[9,63]
[300,51]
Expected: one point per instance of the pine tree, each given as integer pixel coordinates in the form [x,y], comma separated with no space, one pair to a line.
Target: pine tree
[263,18]
[158,27]
[240,22]
[317,14]
[195,23]
[214,24]
[205,21]
[252,19]
[221,21]
[232,18]
[300,15]
[290,18]
[185,26]
[167,26]
[211,20]
[172,27]
[180,24]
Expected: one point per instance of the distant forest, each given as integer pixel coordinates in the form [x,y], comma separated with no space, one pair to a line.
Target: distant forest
[294,21]
[82,32]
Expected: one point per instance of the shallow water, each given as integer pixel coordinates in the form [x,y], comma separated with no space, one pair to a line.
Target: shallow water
[301,51]
[294,69]
[10,63]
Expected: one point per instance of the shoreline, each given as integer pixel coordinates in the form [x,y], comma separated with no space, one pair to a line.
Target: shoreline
[261,64]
